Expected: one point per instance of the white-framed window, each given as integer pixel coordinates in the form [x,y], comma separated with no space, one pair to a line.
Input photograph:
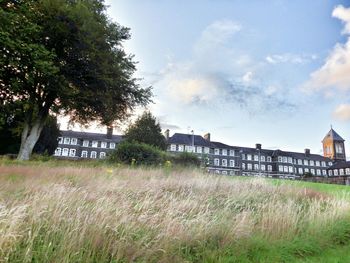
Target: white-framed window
[335,171]
[290,169]
[102,155]
[318,172]
[250,166]
[94,144]
[85,143]
[73,141]
[285,159]
[262,158]
[256,167]
[243,156]
[312,171]
[338,148]
[269,159]
[66,140]
[280,159]
[329,163]
[263,167]
[269,168]
[232,163]
[217,162]
[60,140]
[72,152]
[216,152]
[300,162]
[256,158]
[103,144]
[188,148]
[280,168]
[306,162]
[84,154]
[243,166]
[330,173]
[323,163]
[317,163]
[306,170]
[249,157]
[285,169]
[347,171]
[312,163]
[58,151]
[173,147]
[300,170]
[341,171]
[224,152]
[112,145]
[224,162]
[224,172]
[206,150]
[93,154]
[324,172]
[232,152]
[290,159]
[65,151]
[199,149]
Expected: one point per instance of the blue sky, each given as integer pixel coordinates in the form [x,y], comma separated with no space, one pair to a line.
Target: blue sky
[273,72]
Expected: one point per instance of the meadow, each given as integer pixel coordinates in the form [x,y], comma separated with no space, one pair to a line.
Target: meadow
[79,212]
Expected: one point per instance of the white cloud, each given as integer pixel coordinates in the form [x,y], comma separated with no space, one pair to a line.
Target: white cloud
[290,58]
[247,77]
[334,75]
[342,112]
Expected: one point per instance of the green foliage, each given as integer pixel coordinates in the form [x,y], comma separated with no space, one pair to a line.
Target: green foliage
[135,153]
[146,130]
[186,159]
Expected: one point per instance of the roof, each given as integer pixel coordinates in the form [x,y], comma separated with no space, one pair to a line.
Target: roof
[339,165]
[333,135]
[187,139]
[300,155]
[91,136]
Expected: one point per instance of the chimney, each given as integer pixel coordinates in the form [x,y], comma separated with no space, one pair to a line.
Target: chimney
[109,132]
[307,152]
[166,134]
[207,136]
[258,146]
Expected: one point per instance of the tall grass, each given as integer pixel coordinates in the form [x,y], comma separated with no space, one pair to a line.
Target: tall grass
[79,214]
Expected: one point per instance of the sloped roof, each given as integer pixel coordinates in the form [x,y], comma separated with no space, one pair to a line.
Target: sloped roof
[333,135]
[181,138]
[91,136]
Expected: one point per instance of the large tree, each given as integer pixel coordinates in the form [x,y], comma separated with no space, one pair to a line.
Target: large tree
[65,56]
[146,129]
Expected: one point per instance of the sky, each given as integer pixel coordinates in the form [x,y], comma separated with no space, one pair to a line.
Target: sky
[274,72]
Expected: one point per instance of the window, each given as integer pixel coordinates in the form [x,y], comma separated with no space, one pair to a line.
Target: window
[72,152]
[285,169]
[323,163]
[263,167]
[280,159]
[300,170]
[74,141]
[93,155]
[206,150]
[216,151]
[102,155]
[103,145]
[256,167]
[341,171]
[306,170]
[318,172]
[243,166]
[347,171]
[256,158]
[338,148]
[269,168]
[249,157]
[65,152]
[335,172]
[224,172]
[329,163]
[224,162]
[173,147]
[249,166]
[188,148]
[285,159]
[269,159]
[243,156]
[312,163]
[330,173]
[217,162]
[232,163]
[306,162]
[290,169]
[112,145]
[60,140]
[263,158]
[280,168]
[232,152]
[66,140]
[86,143]
[94,143]
[199,149]
[312,171]
[58,151]
[324,172]
[300,162]
[290,159]
[317,163]
[84,154]
[224,152]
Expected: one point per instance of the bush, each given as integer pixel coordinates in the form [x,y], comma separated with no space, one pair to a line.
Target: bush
[186,159]
[135,153]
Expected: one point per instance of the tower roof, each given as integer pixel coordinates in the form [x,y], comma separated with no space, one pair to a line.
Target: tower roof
[333,135]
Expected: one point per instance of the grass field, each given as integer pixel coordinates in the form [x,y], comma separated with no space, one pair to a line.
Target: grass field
[78,212]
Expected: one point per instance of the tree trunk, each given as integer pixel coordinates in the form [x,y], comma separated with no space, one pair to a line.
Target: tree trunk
[30,136]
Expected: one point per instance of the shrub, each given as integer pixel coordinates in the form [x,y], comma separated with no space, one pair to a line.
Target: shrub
[137,154]
[186,159]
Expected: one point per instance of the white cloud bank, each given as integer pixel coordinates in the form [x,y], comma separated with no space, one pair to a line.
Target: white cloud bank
[342,112]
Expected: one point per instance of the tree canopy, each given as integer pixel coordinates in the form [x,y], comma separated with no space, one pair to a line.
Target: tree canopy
[66,57]
[146,129]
